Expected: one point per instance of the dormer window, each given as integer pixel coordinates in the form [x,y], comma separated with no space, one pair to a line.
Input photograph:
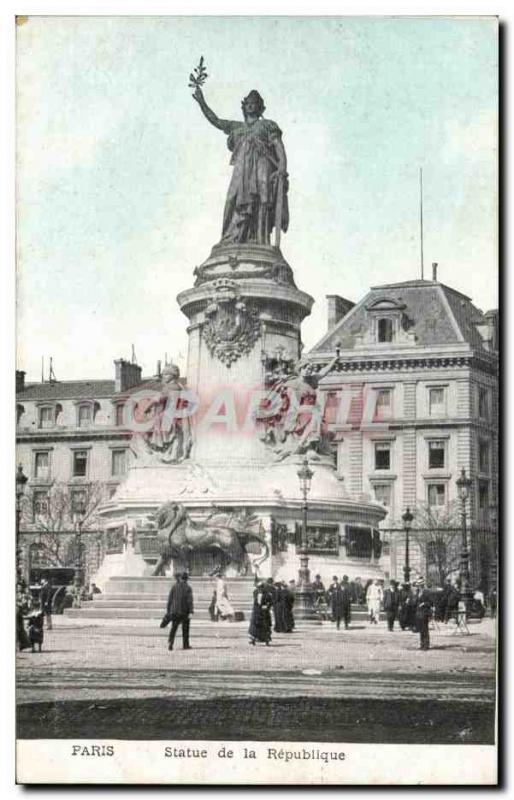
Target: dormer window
[385,329]
[387,323]
[84,416]
[47,417]
[86,411]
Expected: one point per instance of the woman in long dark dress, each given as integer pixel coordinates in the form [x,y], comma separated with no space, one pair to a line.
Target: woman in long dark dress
[22,639]
[279,608]
[289,598]
[260,621]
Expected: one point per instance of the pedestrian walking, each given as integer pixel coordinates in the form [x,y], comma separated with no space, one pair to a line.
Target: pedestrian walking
[391,603]
[289,598]
[45,597]
[22,639]
[223,606]
[260,621]
[347,600]
[179,610]
[279,608]
[374,596]
[335,596]
[423,615]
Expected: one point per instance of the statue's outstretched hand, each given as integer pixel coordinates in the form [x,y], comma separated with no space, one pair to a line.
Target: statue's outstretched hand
[198,95]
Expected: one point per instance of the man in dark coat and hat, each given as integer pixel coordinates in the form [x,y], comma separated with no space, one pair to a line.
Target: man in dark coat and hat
[179,609]
[346,600]
[336,600]
[423,614]
[391,603]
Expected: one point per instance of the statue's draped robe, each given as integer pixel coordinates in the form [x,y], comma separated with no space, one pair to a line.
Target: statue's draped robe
[250,207]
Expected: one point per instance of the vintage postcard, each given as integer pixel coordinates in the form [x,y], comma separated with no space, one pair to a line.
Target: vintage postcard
[257,400]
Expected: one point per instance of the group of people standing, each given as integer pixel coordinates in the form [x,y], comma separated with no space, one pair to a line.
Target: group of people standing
[334,603]
[271,596]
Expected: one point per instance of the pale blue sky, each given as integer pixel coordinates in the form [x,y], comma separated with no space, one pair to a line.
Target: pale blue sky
[121,181]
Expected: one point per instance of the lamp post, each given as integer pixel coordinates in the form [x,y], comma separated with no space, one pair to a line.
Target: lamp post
[304,608]
[305,476]
[407,518]
[78,512]
[464,485]
[21,480]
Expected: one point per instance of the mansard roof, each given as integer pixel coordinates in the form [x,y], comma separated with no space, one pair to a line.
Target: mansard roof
[66,390]
[86,390]
[435,313]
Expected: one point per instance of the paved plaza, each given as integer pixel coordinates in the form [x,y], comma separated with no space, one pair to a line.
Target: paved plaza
[100,680]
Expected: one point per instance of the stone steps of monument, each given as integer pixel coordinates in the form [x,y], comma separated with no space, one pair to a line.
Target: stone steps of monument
[145,598]
[154,611]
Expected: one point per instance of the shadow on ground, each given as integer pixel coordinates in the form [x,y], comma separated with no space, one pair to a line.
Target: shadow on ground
[262,719]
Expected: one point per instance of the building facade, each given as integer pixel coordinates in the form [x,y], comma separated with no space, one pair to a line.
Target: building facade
[415,393]
[410,400]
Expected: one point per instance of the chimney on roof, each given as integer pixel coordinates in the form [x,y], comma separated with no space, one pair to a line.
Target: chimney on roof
[434,270]
[126,375]
[337,308]
[159,368]
[20,380]
[489,330]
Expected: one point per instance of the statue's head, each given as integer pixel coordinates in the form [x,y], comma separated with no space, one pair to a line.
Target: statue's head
[170,373]
[253,104]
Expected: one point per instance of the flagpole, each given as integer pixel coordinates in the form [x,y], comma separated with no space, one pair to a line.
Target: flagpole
[421,220]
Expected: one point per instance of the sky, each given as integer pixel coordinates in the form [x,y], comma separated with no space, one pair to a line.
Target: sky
[121,181]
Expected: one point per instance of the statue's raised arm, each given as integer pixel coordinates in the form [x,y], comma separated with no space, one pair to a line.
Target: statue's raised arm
[257,195]
[224,125]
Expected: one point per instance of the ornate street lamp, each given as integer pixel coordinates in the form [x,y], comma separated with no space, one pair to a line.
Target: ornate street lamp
[305,476]
[21,480]
[78,514]
[463,486]
[304,609]
[407,518]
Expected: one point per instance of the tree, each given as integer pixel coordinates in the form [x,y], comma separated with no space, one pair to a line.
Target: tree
[437,533]
[49,513]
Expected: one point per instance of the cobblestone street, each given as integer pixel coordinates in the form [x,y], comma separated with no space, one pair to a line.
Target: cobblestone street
[98,680]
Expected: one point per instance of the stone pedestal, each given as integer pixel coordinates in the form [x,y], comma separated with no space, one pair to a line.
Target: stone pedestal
[244,314]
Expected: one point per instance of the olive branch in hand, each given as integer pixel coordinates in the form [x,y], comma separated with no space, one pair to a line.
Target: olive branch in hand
[199,75]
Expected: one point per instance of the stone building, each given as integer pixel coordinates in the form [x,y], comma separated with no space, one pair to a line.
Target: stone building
[415,390]
[70,437]
[410,400]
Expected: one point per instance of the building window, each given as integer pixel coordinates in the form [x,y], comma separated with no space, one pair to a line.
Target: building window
[385,330]
[483,456]
[20,410]
[436,454]
[383,404]
[47,417]
[436,402]
[436,494]
[483,403]
[119,462]
[39,503]
[79,463]
[382,455]
[84,416]
[42,466]
[436,552]
[119,414]
[78,499]
[483,495]
[383,493]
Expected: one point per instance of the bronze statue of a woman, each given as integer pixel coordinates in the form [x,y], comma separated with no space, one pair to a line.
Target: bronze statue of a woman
[257,195]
